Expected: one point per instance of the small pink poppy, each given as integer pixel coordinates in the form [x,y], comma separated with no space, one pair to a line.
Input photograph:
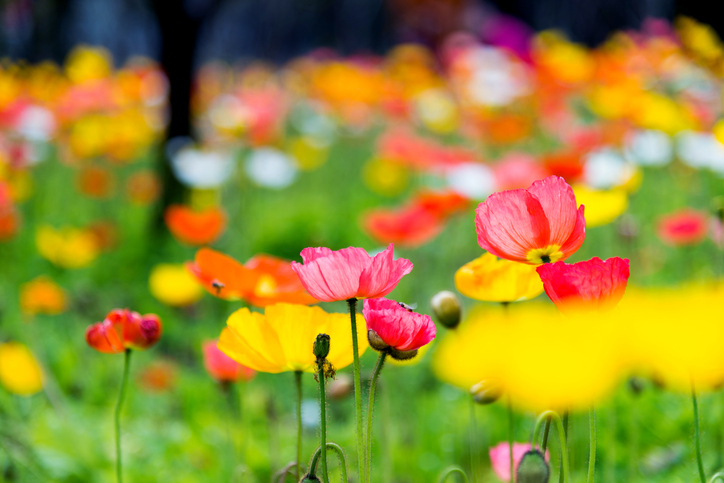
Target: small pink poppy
[349,273]
[536,225]
[394,326]
[222,367]
[500,458]
[683,228]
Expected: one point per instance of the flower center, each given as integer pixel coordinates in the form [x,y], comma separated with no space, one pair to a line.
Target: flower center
[549,254]
[266,286]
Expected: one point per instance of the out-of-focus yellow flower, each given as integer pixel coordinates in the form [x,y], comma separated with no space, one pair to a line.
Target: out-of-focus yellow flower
[437,111]
[491,279]
[568,62]
[173,285]
[651,110]
[281,339]
[611,101]
[88,63]
[19,371]
[309,152]
[718,130]
[542,359]
[89,135]
[701,39]
[385,177]
[67,247]
[42,296]
[602,207]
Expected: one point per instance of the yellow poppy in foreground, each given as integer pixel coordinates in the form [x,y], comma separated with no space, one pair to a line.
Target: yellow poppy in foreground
[281,339]
[490,279]
[19,371]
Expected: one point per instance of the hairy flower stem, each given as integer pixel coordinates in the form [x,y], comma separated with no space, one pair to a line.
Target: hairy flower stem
[357,391]
[697,436]
[373,385]
[298,381]
[119,404]
[473,443]
[546,432]
[552,415]
[592,444]
[511,438]
[340,454]
[323,422]
[447,472]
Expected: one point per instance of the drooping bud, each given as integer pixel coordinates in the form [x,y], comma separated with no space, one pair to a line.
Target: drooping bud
[533,468]
[446,308]
[321,346]
[487,391]
[310,479]
[401,355]
[376,341]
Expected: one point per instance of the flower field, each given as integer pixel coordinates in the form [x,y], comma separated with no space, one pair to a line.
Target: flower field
[456,265]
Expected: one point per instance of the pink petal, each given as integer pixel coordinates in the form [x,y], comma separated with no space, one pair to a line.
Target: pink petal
[382,274]
[559,205]
[578,235]
[312,253]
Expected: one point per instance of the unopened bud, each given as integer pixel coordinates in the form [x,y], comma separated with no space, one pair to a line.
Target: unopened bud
[321,346]
[446,308]
[487,391]
[533,468]
[401,355]
[310,479]
[376,341]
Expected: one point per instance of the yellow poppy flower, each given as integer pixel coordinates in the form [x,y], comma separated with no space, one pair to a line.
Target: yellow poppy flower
[491,279]
[602,207]
[281,338]
[19,371]
[42,296]
[385,177]
[174,285]
[67,247]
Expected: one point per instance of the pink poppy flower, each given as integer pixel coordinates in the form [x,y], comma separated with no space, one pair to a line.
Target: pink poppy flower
[535,225]
[593,285]
[500,458]
[683,228]
[349,273]
[222,367]
[392,326]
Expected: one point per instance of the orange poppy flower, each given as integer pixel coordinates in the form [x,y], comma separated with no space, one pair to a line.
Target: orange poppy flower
[195,227]
[262,281]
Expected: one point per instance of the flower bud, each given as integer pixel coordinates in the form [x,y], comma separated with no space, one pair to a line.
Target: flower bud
[376,341]
[533,468]
[141,332]
[487,391]
[402,355]
[446,308]
[321,346]
[310,479]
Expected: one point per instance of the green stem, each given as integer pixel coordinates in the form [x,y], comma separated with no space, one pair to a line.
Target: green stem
[565,421]
[298,381]
[511,439]
[717,476]
[546,432]
[340,454]
[373,384]
[323,421]
[119,404]
[561,436]
[357,391]
[697,436]
[473,443]
[451,471]
[592,444]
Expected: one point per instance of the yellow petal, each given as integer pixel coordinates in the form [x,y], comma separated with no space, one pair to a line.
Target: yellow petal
[489,279]
[19,371]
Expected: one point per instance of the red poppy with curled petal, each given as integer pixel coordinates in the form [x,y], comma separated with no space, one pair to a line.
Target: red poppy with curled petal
[535,225]
[123,329]
[349,273]
[398,327]
[591,285]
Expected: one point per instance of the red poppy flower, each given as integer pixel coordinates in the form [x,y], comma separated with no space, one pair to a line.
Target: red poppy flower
[535,225]
[123,329]
[263,280]
[683,228]
[222,367]
[591,285]
[195,227]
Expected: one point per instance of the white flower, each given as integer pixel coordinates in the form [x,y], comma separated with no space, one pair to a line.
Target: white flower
[201,168]
[700,150]
[649,148]
[472,180]
[605,168]
[271,168]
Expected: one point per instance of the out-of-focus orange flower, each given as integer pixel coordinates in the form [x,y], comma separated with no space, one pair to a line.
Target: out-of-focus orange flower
[9,220]
[159,376]
[195,227]
[106,234]
[143,187]
[683,228]
[42,296]
[508,129]
[416,223]
[95,182]
[568,165]
[262,281]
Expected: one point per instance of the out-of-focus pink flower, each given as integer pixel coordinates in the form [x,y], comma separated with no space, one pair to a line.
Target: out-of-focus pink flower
[518,171]
[535,225]
[398,327]
[683,228]
[500,457]
[222,367]
[349,273]
[591,285]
